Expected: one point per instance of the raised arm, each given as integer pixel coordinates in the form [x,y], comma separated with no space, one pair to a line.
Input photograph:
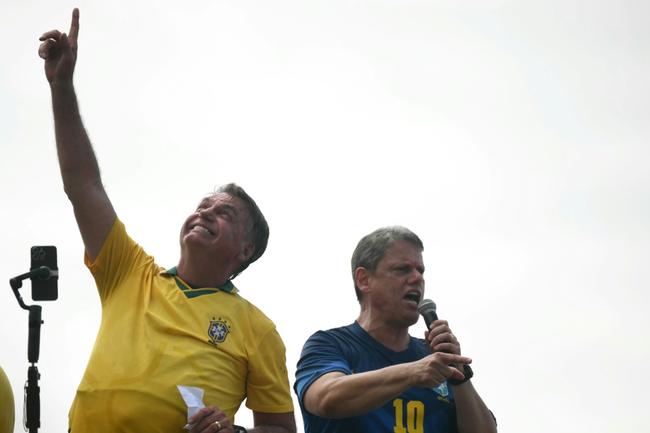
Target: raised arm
[79,170]
[472,415]
[337,395]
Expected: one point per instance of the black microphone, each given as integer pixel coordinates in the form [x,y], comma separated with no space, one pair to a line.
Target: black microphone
[427,309]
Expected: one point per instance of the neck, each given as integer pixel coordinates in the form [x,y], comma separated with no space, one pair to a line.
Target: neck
[395,337]
[198,275]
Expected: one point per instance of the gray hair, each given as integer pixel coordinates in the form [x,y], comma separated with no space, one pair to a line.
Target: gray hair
[372,248]
[257,230]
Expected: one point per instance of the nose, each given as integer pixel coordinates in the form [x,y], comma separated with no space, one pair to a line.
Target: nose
[205,213]
[416,277]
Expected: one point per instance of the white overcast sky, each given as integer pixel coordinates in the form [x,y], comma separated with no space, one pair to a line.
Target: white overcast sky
[512,136]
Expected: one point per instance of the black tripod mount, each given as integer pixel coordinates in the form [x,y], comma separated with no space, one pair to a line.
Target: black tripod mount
[32,415]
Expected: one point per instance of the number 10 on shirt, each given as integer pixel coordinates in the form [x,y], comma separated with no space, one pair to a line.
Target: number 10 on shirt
[414,416]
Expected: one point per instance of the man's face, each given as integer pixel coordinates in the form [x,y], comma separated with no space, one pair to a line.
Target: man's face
[218,228]
[396,287]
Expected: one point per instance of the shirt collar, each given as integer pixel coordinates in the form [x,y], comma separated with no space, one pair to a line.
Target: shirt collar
[227,287]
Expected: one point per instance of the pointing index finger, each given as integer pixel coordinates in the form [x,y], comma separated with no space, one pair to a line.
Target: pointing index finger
[74,25]
[455,359]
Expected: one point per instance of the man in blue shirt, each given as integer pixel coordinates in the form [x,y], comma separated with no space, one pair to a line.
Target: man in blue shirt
[372,376]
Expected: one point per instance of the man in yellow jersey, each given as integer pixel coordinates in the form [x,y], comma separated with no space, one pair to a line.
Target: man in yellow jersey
[166,330]
[6,404]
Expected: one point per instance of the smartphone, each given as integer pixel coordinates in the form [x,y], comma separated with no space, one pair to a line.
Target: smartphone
[44,289]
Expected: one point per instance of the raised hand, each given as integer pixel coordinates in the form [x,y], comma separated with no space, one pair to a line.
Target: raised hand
[60,52]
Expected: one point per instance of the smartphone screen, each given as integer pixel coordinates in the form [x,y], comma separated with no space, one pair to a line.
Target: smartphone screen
[44,289]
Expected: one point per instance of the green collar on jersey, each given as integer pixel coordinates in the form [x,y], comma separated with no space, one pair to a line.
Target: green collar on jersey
[192,292]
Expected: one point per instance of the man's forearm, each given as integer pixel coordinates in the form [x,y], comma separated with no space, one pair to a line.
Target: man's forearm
[355,394]
[335,395]
[273,422]
[79,170]
[472,414]
[76,157]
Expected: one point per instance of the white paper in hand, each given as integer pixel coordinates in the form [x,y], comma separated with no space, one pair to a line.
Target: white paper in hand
[193,398]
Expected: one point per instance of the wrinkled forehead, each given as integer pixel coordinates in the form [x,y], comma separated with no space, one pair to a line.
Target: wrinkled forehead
[221,197]
[402,250]
[224,199]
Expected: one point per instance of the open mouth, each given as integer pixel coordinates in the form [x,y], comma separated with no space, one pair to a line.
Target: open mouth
[413,297]
[201,228]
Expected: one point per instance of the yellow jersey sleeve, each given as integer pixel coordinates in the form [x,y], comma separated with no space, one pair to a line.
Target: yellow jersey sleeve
[268,383]
[116,259]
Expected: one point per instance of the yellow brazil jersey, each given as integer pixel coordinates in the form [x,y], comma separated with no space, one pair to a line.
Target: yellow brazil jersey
[157,333]
[6,404]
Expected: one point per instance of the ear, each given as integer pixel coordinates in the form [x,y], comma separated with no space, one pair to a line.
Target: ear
[246,252]
[362,279]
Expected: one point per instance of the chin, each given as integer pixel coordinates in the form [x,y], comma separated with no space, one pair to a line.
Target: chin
[413,320]
[190,239]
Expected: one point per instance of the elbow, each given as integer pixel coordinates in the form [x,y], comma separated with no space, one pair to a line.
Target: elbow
[332,397]
[328,406]
[69,191]
[72,191]
[76,189]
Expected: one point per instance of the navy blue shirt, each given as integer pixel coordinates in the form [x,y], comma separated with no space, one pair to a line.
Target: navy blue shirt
[350,350]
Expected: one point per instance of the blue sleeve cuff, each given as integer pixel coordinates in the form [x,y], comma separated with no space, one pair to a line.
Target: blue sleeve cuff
[307,377]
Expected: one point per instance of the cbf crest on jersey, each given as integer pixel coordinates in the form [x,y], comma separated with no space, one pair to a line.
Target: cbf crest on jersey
[442,391]
[218,330]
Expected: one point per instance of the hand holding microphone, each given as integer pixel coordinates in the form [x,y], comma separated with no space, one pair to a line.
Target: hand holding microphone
[440,337]
[438,334]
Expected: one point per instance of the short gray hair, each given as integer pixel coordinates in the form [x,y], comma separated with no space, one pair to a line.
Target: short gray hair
[257,230]
[372,248]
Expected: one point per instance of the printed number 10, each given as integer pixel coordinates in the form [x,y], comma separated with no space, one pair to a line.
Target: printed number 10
[414,416]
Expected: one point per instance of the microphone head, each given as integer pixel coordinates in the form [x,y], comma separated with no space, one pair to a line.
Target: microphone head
[426,306]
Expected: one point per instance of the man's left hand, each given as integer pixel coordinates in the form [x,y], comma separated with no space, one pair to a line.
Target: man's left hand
[441,339]
[210,420]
